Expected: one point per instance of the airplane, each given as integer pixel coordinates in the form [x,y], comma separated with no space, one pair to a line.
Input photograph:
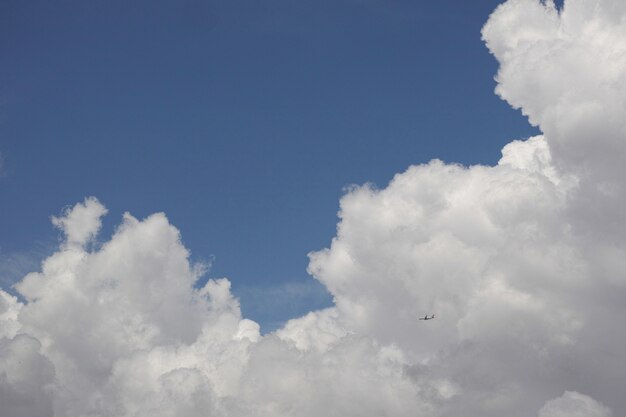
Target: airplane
[427,318]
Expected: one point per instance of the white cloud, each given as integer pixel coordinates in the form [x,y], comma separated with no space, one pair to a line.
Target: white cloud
[566,72]
[9,312]
[82,222]
[574,404]
[122,331]
[25,379]
[522,263]
[486,249]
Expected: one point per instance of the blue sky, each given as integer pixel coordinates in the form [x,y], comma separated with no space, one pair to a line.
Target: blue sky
[248,123]
[243,121]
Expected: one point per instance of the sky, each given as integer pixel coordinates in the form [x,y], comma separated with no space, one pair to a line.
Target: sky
[502,214]
[243,121]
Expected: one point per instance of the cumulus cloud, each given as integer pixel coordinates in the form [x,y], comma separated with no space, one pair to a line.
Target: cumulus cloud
[81,224]
[574,404]
[565,71]
[522,263]
[122,330]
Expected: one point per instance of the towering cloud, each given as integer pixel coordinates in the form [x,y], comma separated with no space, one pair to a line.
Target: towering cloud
[566,72]
[522,263]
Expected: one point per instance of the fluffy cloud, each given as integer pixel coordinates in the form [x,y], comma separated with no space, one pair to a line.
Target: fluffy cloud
[485,249]
[574,404]
[122,330]
[565,71]
[81,223]
[522,263]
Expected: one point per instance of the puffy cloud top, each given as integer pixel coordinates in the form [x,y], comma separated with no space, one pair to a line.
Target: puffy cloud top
[565,70]
[574,404]
[81,224]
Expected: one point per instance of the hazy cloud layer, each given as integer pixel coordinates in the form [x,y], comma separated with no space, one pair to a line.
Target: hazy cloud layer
[522,263]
